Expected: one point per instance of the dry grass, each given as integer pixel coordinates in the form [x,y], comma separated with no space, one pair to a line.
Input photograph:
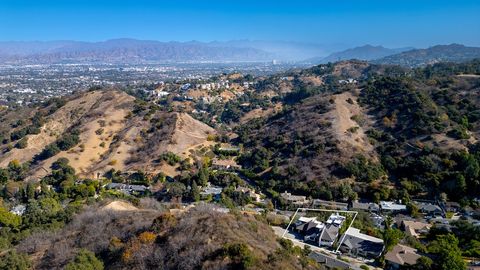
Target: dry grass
[348,132]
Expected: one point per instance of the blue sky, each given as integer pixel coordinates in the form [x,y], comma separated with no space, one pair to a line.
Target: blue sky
[388,22]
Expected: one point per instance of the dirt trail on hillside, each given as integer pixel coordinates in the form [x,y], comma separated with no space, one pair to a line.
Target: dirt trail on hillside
[347,130]
[188,134]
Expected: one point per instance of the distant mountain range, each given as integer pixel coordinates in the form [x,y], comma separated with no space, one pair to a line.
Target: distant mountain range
[135,51]
[366,52]
[440,53]
[142,51]
[125,50]
[408,56]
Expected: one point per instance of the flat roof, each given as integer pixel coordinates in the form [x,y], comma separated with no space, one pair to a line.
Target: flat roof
[356,233]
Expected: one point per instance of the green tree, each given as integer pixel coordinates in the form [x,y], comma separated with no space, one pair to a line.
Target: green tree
[42,212]
[391,236]
[449,255]
[139,178]
[473,249]
[195,192]
[176,189]
[413,210]
[9,219]
[60,164]
[423,263]
[14,261]
[30,191]
[4,176]
[85,260]
[160,177]
[203,176]
[22,143]
[17,170]
[241,256]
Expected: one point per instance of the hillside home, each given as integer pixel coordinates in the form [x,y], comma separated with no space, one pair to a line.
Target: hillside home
[365,206]
[453,207]
[294,199]
[415,228]
[377,220]
[250,192]
[213,191]
[225,165]
[185,87]
[331,230]
[441,223]
[429,209]
[128,189]
[329,261]
[392,207]
[317,203]
[356,243]
[401,256]
[231,149]
[157,93]
[309,227]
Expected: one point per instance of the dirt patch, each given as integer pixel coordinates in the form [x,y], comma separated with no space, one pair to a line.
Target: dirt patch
[446,143]
[188,134]
[197,93]
[169,170]
[344,127]
[119,206]
[257,113]
[350,69]
[227,95]
[312,80]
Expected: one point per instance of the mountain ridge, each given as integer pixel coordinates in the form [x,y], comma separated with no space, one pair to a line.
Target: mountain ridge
[439,53]
[233,50]
[124,50]
[365,52]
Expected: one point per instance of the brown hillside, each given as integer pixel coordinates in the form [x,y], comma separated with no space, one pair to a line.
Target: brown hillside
[152,239]
[115,131]
[314,137]
[350,133]
[56,124]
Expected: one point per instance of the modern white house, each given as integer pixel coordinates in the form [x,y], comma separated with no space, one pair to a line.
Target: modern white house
[392,207]
[331,230]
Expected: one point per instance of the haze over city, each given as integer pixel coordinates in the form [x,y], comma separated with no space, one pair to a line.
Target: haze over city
[345,23]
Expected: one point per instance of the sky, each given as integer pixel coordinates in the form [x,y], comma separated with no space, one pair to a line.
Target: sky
[391,23]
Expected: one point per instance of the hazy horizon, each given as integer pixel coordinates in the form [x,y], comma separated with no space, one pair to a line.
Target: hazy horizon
[346,46]
[392,24]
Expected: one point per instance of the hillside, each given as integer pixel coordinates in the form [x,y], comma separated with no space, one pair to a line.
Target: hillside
[307,143]
[333,131]
[131,238]
[393,127]
[441,53]
[366,52]
[101,130]
[340,131]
